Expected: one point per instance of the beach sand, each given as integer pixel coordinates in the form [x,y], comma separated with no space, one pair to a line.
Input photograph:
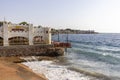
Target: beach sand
[16,71]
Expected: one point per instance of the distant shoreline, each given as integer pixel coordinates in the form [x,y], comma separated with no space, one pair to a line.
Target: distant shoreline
[71,31]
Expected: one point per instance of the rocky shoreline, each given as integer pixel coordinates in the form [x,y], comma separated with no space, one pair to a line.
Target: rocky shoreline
[12,56]
[31,50]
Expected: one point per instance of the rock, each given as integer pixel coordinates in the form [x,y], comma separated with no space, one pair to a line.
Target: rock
[34,50]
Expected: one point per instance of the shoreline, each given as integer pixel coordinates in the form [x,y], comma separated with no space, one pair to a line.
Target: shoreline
[17,71]
[53,70]
[40,68]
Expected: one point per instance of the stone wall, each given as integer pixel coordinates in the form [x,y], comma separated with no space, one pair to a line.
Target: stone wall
[31,50]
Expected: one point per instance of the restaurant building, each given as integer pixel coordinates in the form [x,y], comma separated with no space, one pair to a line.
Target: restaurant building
[19,34]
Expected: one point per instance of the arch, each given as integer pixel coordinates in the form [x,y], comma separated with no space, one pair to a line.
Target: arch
[1,41]
[38,40]
[16,33]
[18,40]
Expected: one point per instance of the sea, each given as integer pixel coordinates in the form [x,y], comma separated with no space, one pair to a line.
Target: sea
[91,57]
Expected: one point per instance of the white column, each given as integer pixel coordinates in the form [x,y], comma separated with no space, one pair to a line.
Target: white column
[5,34]
[47,35]
[30,34]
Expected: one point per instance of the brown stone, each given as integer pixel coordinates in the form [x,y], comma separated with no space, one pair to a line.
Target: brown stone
[34,50]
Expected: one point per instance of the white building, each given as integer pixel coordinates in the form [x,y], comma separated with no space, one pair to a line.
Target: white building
[16,34]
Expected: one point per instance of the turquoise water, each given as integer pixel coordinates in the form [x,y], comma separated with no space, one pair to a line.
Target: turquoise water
[98,53]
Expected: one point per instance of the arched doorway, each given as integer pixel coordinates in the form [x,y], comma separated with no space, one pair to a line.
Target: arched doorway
[18,41]
[1,41]
[38,40]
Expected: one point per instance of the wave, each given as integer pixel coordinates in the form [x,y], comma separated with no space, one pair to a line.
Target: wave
[95,67]
[86,42]
[56,72]
[90,73]
[86,54]
[101,49]
[97,42]
[97,49]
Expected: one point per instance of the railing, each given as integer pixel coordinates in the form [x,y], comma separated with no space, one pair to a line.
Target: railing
[39,43]
[19,43]
[62,44]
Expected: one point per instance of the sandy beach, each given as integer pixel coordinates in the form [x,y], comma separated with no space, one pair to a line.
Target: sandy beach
[16,71]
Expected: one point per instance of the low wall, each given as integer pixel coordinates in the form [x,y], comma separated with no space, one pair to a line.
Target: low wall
[31,50]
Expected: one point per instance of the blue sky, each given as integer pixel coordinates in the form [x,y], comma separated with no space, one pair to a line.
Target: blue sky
[98,15]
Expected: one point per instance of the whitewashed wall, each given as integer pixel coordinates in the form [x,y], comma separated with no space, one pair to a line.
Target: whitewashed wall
[30,32]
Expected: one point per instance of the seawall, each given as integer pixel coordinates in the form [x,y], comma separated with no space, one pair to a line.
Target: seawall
[31,50]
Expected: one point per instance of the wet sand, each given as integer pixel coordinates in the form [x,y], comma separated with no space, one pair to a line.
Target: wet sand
[16,71]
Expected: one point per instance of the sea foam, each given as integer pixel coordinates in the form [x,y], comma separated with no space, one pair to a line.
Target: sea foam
[55,72]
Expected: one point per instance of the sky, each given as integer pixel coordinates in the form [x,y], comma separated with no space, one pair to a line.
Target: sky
[98,15]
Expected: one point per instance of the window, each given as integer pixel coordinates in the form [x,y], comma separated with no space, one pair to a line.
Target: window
[41,37]
[46,32]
